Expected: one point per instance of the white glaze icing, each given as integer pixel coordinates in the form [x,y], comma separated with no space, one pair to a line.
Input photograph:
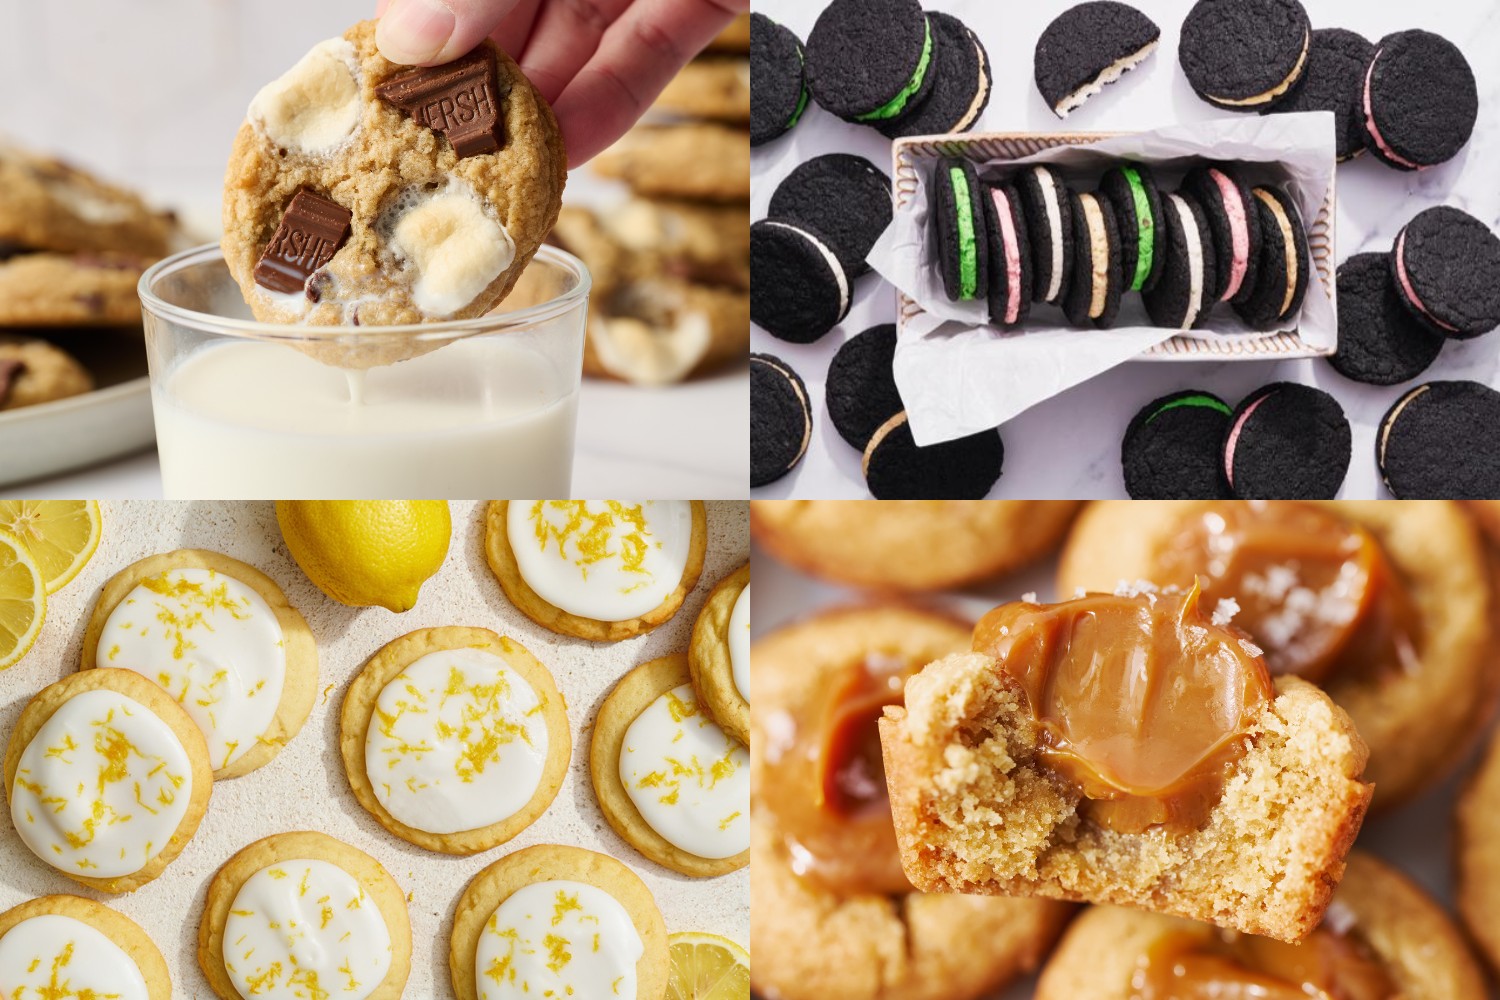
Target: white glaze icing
[458,741]
[302,929]
[212,643]
[102,786]
[53,957]
[610,560]
[739,643]
[689,780]
[558,939]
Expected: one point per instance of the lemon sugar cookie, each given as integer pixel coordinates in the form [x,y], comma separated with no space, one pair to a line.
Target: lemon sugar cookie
[596,569]
[669,780]
[554,921]
[68,947]
[719,655]
[107,778]
[304,915]
[220,637]
[455,739]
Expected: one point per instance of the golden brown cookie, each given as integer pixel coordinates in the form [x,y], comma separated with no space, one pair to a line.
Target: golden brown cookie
[83,289]
[1487,513]
[712,87]
[909,545]
[202,613]
[468,734]
[734,38]
[424,193]
[1383,936]
[1477,860]
[699,242]
[476,925]
[34,372]
[704,161]
[719,654]
[833,913]
[112,957]
[669,780]
[346,903]
[600,557]
[88,729]
[663,330]
[580,232]
[47,204]
[1418,719]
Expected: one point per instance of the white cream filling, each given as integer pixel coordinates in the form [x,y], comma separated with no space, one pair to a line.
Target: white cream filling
[833,262]
[1193,239]
[980,95]
[1113,72]
[1054,224]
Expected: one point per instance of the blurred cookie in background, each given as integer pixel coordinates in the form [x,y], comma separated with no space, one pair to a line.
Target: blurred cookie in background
[697,160]
[656,331]
[48,204]
[78,289]
[33,372]
[712,87]
[735,38]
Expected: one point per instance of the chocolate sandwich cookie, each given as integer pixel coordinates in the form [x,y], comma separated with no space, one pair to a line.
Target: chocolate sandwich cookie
[1048,204]
[1287,442]
[1088,47]
[845,198]
[1174,449]
[798,289]
[958,220]
[1420,100]
[1439,442]
[1183,295]
[870,61]
[961,87]
[1244,55]
[780,419]
[1284,266]
[1334,81]
[1447,269]
[1132,192]
[896,469]
[1094,297]
[1380,342]
[1010,255]
[1234,223]
[778,88]
[861,387]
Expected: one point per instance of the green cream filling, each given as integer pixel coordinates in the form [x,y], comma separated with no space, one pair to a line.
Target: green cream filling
[801,97]
[968,250]
[1207,402]
[1145,225]
[897,104]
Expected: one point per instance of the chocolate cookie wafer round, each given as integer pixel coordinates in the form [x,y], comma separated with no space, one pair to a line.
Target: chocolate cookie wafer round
[896,469]
[1439,442]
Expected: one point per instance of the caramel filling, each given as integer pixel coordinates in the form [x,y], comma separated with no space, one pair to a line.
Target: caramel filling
[1142,702]
[1223,965]
[1316,592]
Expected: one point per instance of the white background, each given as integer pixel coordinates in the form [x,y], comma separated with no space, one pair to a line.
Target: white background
[1069,446]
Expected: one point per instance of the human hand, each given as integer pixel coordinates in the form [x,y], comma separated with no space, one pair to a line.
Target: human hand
[599,63]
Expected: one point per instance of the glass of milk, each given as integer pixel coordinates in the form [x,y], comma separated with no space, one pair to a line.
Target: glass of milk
[248,410]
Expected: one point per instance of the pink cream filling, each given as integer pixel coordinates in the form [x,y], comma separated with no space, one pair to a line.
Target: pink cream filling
[1234,438]
[1234,207]
[1012,256]
[1371,127]
[1411,293]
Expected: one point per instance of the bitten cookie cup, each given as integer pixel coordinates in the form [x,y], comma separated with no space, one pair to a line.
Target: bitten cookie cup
[604,570]
[363,192]
[96,951]
[909,545]
[719,654]
[1418,720]
[509,914]
[222,640]
[1382,936]
[303,911]
[455,739]
[136,753]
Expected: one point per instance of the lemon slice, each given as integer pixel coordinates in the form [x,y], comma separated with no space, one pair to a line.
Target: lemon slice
[61,534]
[707,967]
[23,599]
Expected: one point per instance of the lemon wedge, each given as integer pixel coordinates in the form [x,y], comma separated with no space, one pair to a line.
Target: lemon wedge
[62,534]
[707,967]
[23,599]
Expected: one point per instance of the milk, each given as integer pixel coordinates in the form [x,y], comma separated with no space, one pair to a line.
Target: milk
[478,417]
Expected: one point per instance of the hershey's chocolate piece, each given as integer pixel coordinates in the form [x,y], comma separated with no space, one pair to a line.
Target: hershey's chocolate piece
[311,232]
[10,370]
[460,100]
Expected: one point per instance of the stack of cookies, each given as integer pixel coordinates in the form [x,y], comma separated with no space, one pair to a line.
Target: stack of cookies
[671,266]
[72,248]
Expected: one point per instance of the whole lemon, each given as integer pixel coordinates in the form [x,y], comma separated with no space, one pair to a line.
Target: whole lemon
[366,552]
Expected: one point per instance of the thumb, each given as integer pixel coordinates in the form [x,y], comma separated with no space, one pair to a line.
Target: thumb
[430,32]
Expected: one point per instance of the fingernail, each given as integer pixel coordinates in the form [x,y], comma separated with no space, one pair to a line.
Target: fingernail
[414,31]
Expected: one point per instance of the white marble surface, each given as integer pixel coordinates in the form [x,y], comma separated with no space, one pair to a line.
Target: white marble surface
[1069,446]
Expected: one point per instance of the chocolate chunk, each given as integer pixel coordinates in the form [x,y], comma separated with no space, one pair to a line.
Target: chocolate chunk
[11,369]
[459,100]
[311,232]
[91,301]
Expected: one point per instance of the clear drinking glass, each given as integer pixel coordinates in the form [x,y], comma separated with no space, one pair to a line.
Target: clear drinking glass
[479,407]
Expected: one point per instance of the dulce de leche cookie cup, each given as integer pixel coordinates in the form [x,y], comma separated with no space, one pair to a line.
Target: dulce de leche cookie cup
[478,407]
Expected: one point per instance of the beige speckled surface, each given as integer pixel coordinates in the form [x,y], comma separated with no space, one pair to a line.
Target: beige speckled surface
[305,789]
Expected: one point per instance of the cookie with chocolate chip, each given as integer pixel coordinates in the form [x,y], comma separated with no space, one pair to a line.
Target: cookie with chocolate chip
[50,204]
[79,289]
[363,192]
[33,372]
